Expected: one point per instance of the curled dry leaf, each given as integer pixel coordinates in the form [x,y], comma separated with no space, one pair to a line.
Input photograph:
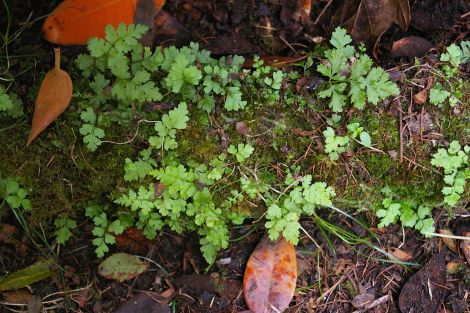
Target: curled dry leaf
[53,98]
[270,276]
[465,246]
[449,242]
[422,96]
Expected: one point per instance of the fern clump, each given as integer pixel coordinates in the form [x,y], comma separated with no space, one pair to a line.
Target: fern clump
[352,79]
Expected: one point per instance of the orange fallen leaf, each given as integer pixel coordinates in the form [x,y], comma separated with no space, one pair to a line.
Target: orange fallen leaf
[270,276]
[401,255]
[53,98]
[74,22]
[423,96]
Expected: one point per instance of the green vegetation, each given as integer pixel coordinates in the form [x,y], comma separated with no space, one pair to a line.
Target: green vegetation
[163,147]
[452,58]
[352,82]
[283,213]
[10,104]
[13,194]
[407,212]
[456,167]
[64,227]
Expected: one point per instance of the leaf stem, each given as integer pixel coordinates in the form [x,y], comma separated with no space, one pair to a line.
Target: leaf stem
[57,58]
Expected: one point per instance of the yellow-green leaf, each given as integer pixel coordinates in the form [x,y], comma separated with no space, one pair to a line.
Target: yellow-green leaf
[27,276]
[122,266]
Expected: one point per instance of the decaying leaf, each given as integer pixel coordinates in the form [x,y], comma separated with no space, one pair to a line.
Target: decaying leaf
[270,276]
[367,20]
[424,291]
[449,242]
[423,96]
[465,246]
[401,255]
[27,276]
[412,46]
[132,240]
[122,266]
[53,98]
[454,267]
[20,296]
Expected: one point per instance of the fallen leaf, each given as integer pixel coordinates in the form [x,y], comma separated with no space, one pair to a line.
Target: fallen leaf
[82,297]
[453,267]
[74,22]
[368,20]
[270,276]
[465,246]
[53,98]
[422,96]
[20,296]
[449,242]
[133,241]
[424,291]
[412,46]
[27,276]
[401,255]
[142,303]
[122,266]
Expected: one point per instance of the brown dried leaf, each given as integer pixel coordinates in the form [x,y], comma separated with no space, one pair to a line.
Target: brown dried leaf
[449,242]
[412,46]
[453,267]
[270,276]
[367,20]
[424,291]
[401,254]
[20,296]
[422,96]
[53,98]
[465,246]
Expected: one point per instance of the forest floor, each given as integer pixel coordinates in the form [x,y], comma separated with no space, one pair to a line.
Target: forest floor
[345,261]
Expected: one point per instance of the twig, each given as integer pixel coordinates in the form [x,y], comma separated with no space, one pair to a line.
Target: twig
[322,12]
